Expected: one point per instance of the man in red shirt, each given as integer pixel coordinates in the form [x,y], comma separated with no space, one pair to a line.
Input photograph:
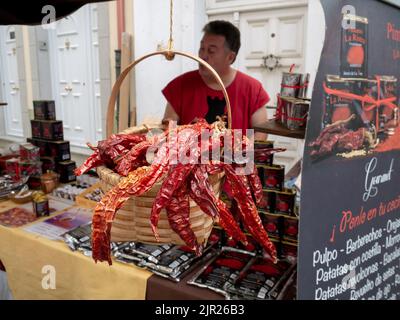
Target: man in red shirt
[196,94]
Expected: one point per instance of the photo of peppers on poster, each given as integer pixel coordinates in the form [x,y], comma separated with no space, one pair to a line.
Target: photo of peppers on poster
[350,201]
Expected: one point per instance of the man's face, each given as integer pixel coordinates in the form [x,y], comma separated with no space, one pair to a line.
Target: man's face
[214,51]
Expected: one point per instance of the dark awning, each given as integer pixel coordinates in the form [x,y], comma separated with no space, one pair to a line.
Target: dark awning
[30,13]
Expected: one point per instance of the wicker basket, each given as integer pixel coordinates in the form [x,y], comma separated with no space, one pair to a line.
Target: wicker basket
[132,221]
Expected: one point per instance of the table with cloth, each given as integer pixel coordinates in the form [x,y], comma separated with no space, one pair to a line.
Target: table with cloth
[77,276]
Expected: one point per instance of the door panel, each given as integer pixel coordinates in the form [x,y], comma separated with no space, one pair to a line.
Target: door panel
[73,63]
[290,37]
[11,84]
[254,31]
[96,73]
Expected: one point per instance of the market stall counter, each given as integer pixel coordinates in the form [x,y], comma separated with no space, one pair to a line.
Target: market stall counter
[39,268]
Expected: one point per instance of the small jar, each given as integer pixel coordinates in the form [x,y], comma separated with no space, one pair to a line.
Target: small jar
[49,181]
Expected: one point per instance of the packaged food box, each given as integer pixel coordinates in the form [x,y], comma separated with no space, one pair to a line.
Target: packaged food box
[28,151]
[261,155]
[41,144]
[268,201]
[258,280]
[335,107]
[30,168]
[66,171]
[338,107]
[354,47]
[36,127]
[289,250]
[59,150]
[290,228]
[296,114]
[48,163]
[294,85]
[52,130]
[12,168]
[44,110]
[3,160]
[272,224]
[272,177]
[221,271]
[284,201]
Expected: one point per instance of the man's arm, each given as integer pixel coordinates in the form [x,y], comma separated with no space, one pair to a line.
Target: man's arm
[259,117]
[169,114]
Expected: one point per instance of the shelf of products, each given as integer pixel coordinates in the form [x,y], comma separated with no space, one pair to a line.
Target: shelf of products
[273,127]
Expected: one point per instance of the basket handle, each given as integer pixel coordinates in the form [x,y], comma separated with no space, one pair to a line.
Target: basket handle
[169,55]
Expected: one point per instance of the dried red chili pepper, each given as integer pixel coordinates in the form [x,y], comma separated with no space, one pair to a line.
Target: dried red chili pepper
[93,161]
[248,210]
[134,159]
[262,155]
[108,151]
[186,141]
[213,169]
[255,186]
[201,192]
[175,181]
[230,263]
[135,184]
[229,224]
[178,213]
[201,189]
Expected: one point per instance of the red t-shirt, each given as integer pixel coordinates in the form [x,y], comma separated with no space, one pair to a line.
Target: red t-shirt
[191,97]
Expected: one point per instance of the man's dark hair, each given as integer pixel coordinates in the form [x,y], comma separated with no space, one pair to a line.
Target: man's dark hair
[226,29]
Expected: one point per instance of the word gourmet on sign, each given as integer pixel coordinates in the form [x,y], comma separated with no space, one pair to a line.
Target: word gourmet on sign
[371,182]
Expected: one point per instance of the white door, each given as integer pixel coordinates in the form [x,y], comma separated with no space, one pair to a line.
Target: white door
[277,32]
[71,50]
[10,82]
[95,75]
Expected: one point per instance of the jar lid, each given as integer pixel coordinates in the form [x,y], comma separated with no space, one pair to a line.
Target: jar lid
[38,196]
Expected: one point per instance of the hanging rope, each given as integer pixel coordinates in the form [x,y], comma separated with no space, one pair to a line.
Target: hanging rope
[171,22]
[169,55]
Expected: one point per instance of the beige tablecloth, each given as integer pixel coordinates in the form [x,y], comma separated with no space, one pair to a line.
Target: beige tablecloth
[25,256]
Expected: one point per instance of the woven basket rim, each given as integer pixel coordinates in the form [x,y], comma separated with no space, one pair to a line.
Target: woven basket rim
[108,174]
[113,178]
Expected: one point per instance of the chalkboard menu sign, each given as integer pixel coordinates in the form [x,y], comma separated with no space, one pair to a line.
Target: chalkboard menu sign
[350,197]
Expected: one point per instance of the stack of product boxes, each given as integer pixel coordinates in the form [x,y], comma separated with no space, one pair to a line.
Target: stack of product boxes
[293,105]
[27,163]
[48,135]
[278,209]
[340,90]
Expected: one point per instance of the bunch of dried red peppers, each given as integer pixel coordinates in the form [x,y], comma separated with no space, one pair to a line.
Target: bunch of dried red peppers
[126,155]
